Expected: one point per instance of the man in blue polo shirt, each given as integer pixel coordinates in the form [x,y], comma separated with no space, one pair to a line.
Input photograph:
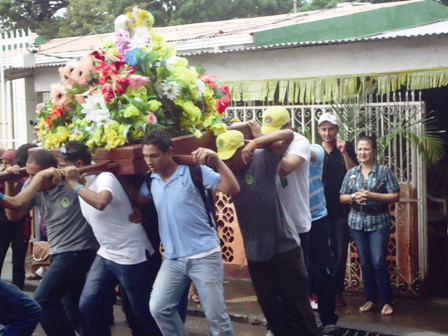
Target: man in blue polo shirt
[191,245]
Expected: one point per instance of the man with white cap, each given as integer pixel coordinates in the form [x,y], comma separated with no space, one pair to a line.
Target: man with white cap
[339,158]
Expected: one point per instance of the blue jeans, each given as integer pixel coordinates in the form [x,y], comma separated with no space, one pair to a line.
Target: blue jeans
[319,268]
[340,238]
[174,277]
[18,312]
[372,251]
[103,277]
[64,281]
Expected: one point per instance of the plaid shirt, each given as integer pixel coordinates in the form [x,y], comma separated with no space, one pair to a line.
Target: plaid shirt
[380,180]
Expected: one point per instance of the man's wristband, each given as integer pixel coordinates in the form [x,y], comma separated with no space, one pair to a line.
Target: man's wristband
[253,143]
[1,196]
[79,186]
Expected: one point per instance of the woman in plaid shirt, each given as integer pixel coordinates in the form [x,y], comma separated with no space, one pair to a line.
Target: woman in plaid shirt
[369,188]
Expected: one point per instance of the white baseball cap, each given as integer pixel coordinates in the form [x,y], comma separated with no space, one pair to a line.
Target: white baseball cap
[328,117]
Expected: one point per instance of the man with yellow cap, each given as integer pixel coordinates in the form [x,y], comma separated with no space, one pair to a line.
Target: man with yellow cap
[271,242]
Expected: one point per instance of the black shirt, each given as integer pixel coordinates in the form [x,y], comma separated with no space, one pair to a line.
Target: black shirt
[333,175]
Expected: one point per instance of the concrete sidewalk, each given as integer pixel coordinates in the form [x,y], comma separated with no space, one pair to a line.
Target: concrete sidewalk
[412,317]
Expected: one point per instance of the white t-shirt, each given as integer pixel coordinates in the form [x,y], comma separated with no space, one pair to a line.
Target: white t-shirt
[120,240]
[296,194]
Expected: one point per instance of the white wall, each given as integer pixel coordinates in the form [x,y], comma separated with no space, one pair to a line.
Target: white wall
[378,56]
[44,77]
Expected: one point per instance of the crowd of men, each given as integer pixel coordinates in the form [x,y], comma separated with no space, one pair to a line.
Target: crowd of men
[293,225]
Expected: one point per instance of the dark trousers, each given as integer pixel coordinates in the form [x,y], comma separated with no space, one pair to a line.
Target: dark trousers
[340,238]
[105,275]
[319,268]
[280,284]
[372,251]
[19,313]
[12,233]
[64,280]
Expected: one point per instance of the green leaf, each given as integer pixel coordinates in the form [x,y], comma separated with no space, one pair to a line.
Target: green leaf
[201,70]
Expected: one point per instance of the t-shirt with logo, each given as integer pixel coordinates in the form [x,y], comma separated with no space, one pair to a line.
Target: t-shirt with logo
[318,205]
[295,188]
[265,225]
[67,228]
[120,240]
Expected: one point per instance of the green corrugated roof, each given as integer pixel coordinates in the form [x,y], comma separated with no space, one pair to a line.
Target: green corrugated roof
[375,21]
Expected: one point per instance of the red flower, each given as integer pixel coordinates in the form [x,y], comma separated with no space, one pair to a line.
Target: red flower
[108,92]
[99,55]
[222,104]
[208,80]
[120,84]
[58,111]
[226,89]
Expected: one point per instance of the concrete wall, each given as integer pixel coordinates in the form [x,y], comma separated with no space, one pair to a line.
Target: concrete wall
[44,77]
[401,54]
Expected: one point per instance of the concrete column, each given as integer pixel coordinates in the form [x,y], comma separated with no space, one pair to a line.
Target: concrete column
[26,101]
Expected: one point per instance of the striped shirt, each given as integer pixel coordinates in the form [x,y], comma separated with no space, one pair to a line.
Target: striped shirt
[318,205]
[381,179]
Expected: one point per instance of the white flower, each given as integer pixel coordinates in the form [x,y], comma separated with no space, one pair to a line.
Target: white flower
[201,86]
[141,38]
[96,110]
[171,61]
[171,89]
[135,12]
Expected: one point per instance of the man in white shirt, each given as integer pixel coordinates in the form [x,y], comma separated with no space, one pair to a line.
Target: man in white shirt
[124,254]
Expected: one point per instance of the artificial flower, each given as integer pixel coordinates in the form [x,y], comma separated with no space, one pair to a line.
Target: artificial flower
[66,73]
[222,104]
[151,118]
[201,86]
[141,38]
[226,89]
[58,94]
[144,17]
[218,128]
[130,56]
[122,39]
[82,73]
[209,80]
[39,107]
[113,140]
[81,97]
[154,105]
[108,44]
[198,134]
[171,89]
[131,110]
[137,81]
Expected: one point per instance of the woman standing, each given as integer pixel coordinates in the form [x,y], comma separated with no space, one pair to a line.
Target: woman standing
[369,188]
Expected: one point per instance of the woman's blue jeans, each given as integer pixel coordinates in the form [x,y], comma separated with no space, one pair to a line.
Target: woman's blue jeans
[372,251]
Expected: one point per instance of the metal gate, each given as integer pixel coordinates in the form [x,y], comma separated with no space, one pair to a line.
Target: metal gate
[408,243]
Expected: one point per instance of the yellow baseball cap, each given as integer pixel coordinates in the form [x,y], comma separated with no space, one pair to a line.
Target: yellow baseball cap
[274,118]
[228,142]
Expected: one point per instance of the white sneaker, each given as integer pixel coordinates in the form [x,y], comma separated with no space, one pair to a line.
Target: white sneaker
[313,303]
[270,333]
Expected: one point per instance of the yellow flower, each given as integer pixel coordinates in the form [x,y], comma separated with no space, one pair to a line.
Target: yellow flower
[113,52]
[154,105]
[141,18]
[141,118]
[194,91]
[218,128]
[186,75]
[210,101]
[41,125]
[185,122]
[113,126]
[192,112]
[113,140]
[62,133]
[129,14]
[95,138]
[198,134]
[208,120]
[182,61]
[140,93]
[120,129]
[108,44]
[137,134]
[131,110]
[236,120]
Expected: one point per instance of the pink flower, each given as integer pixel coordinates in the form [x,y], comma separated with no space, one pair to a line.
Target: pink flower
[66,73]
[59,95]
[81,98]
[122,38]
[39,107]
[151,118]
[137,81]
[208,80]
[82,73]
[90,63]
[222,104]
[226,89]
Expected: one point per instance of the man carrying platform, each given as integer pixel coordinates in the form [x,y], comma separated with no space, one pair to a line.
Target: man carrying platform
[72,249]
[190,241]
[271,242]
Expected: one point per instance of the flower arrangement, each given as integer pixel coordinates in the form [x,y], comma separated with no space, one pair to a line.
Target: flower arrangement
[133,84]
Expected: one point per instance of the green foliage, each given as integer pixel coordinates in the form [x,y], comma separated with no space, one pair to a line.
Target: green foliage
[83,17]
[422,133]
